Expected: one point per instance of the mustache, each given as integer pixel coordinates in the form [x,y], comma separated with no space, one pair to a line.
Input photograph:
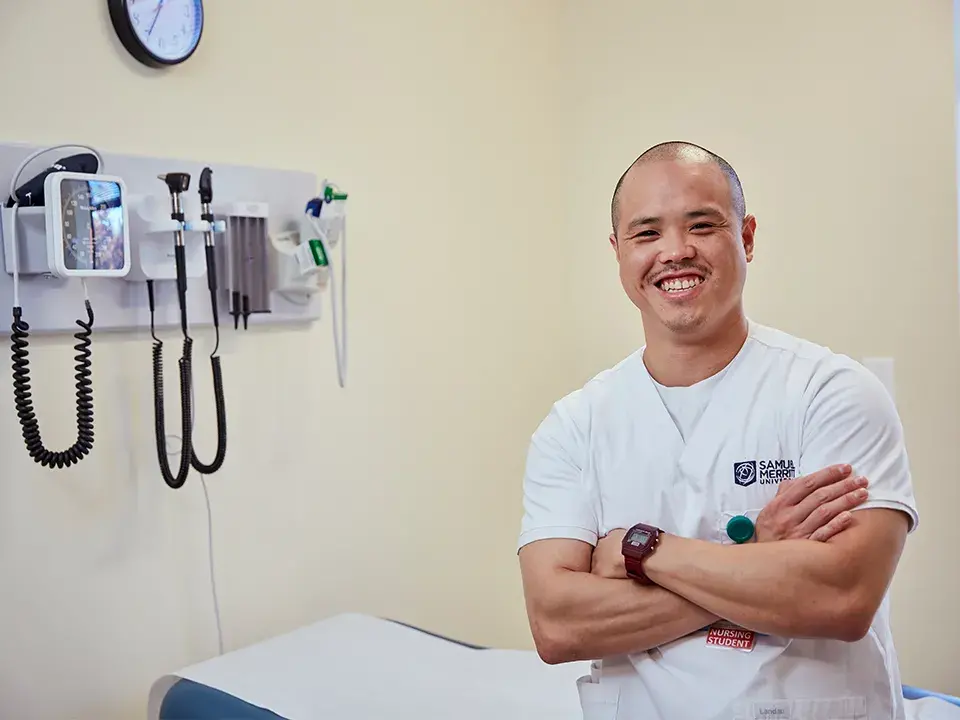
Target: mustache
[686,266]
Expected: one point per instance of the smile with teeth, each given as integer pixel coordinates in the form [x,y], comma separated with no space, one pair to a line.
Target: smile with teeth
[680,284]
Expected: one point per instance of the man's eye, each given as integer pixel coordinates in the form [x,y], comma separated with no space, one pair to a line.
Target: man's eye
[702,226]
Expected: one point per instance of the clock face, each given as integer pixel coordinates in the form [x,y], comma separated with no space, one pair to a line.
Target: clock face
[167,31]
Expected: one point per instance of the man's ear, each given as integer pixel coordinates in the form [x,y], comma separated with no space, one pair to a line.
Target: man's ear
[749,231]
[615,245]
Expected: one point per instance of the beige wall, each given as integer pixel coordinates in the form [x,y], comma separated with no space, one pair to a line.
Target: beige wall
[479,142]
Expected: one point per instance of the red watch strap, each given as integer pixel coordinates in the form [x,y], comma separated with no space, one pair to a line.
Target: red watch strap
[634,567]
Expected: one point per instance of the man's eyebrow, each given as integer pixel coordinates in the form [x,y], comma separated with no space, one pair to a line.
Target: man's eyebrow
[705,212]
[639,222]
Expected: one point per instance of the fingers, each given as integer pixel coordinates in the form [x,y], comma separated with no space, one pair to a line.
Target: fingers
[838,524]
[825,514]
[822,496]
[801,487]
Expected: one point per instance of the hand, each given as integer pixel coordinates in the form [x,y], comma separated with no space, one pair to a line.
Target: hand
[608,556]
[812,507]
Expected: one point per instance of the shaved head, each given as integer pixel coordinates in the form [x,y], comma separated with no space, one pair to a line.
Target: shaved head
[688,152]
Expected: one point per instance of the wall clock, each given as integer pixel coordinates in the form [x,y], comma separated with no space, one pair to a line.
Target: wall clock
[158,33]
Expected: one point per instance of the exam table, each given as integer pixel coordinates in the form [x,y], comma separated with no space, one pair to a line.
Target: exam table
[358,666]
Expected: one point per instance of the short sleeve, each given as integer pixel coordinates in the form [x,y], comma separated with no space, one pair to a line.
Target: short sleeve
[852,419]
[555,501]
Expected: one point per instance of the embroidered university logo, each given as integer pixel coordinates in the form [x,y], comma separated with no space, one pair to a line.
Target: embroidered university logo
[745,473]
[766,472]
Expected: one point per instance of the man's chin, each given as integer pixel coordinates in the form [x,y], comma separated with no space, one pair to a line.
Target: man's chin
[684,323]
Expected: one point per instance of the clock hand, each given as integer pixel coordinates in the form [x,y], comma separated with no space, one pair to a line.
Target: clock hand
[157,15]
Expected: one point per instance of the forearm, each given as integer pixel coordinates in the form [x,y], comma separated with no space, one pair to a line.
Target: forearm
[791,588]
[591,617]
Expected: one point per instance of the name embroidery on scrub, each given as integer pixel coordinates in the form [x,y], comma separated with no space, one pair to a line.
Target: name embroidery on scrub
[771,711]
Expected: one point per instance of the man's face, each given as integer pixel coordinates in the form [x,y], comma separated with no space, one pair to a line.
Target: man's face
[681,249]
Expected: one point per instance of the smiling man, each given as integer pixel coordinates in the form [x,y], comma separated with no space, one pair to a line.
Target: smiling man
[716,520]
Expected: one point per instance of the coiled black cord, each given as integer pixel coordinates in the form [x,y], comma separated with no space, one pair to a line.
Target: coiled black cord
[186,377]
[221,419]
[24,401]
[219,401]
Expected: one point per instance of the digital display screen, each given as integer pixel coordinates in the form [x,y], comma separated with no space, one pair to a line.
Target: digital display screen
[92,225]
[639,537]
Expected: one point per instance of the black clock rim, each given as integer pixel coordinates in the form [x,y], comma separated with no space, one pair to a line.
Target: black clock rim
[128,37]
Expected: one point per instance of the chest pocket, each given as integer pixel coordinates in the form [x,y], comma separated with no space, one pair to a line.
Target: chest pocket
[752,485]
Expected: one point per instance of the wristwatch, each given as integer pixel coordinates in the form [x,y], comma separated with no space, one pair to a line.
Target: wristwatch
[640,541]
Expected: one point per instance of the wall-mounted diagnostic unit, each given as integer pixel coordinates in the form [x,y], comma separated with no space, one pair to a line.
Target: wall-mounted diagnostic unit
[134,237]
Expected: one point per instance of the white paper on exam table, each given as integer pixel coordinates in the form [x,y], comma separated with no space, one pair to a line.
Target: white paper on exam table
[361,666]
[930,708]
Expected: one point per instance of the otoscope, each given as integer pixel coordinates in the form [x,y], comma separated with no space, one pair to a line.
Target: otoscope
[206,197]
[177,183]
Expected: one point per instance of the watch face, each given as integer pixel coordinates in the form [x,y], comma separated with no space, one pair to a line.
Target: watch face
[639,538]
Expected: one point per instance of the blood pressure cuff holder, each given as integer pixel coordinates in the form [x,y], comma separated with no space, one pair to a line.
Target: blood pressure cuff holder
[31,194]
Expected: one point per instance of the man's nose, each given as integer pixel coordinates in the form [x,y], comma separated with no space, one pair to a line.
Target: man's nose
[675,247]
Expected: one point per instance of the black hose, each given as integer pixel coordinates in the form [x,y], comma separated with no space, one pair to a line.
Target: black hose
[219,401]
[186,449]
[24,402]
[186,420]
[221,424]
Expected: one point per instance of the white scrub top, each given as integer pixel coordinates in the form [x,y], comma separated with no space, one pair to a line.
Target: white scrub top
[624,449]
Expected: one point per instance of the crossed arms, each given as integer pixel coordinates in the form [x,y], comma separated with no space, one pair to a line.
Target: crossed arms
[816,569]
[583,607]
[790,587]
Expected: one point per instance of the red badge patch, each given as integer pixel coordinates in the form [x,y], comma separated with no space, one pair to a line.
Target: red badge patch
[732,637]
